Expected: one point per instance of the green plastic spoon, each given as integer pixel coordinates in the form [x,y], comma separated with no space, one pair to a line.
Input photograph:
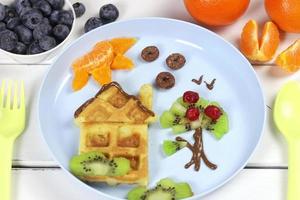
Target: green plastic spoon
[287,118]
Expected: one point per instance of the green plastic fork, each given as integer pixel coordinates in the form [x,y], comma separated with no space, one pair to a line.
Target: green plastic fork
[12,123]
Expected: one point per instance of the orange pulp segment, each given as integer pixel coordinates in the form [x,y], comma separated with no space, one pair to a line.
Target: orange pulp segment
[80,79]
[262,49]
[102,74]
[101,53]
[289,59]
[121,62]
[121,45]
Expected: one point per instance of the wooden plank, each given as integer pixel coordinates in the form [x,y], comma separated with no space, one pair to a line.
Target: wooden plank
[259,184]
[150,8]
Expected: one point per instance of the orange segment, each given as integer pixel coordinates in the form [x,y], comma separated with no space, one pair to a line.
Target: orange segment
[81,78]
[121,45]
[121,62]
[262,49]
[101,53]
[102,74]
[289,59]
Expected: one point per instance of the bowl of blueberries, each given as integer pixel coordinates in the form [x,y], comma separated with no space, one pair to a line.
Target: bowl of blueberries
[32,30]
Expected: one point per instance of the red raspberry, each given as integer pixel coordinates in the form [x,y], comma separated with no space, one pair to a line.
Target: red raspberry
[190,97]
[192,114]
[213,112]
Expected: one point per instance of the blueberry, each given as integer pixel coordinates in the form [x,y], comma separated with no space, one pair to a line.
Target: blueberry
[92,23]
[41,30]
[13,22]
[61,31]
[2,26]
[46,43]
[44,7]
[32,18]
[65,17]
[8,40]
[20,48]
[46,20]
[2,12]
[57,4]
[9,13]
[24,10]
[109,13]
[34,48]
[54,17]
[24,33]
[21,4]
[79,9]
[33,1]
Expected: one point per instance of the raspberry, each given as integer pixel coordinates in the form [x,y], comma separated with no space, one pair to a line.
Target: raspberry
[192,114]
[190,97]
[213,112]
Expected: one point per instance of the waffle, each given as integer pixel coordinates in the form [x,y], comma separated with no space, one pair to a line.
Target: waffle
[116,124]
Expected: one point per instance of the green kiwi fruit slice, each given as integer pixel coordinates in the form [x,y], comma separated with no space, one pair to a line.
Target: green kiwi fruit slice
[167,119]
[178,109]
[136,193]
[90,164]
[170,147]
[96,164]
[221,127]
[120,166]
[183,190]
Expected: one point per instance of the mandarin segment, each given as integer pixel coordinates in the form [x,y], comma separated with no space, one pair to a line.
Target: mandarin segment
[121,45]
[102,74]
[289,59]
[259,49]
[122,62]
[80,79]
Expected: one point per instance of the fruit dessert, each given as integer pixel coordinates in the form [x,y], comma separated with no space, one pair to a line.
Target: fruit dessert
[105,56]
[32,27]
[113,128]
[165,189]
[191,112]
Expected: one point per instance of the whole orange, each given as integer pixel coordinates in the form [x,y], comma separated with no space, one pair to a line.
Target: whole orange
[285,13]
[216,12]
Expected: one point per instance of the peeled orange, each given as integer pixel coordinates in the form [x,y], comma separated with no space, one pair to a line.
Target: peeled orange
[289,59]
[121,62]
[121,45]
[259,49]
[216,12]
[285,13]
[104,56]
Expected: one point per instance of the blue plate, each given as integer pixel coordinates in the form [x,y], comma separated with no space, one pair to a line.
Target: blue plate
[237,89]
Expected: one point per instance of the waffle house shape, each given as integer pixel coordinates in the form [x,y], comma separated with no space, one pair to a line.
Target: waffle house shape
[116,124]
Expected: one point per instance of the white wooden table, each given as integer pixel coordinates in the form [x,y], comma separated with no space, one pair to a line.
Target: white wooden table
[37,177]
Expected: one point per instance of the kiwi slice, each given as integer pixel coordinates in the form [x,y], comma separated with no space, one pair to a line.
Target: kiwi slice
[167,119]
[221,127]
[202,103]
[170,147]
[197,123]
[166,189]
[178,109]
[136,193]
[181,128]
[183,190]
[159,193]
[180,100]
[120,166]
[166,183]
[90,164]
